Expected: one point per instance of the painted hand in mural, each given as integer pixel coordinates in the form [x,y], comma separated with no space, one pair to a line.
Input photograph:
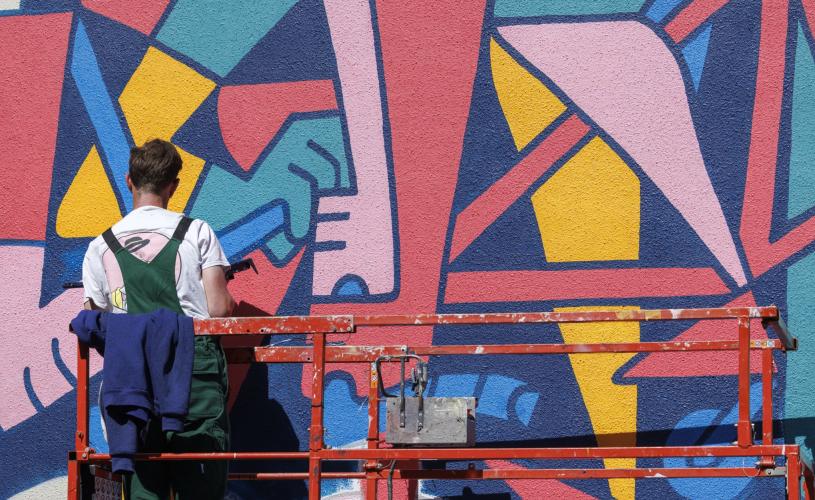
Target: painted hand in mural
[39,351]
[274,205]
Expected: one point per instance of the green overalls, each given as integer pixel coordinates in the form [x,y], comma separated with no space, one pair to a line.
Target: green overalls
[150,286]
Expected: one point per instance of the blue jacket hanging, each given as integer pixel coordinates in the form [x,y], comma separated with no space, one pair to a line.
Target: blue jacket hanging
[147,373]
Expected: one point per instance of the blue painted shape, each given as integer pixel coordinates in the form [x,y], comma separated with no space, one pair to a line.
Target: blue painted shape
[243,237]
[72,258]
[29,390]
[292,174]
[113,142]
[525,405]
[97,435]
[60,363]
[526,8]
[345,415]
[218,34]
[333,486]
[494,398]
[456,385]
[693,426]
[799,405]
[661,8]
[350,287]
[802,152]
[695,53]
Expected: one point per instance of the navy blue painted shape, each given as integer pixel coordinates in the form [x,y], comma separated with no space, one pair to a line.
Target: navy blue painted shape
[722,107]
[201,135]
[119,50]
[298,48]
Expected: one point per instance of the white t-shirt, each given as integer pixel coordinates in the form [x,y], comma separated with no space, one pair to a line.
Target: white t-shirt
[144,232]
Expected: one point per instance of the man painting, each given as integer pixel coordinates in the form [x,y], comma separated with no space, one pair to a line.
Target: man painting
[154,258]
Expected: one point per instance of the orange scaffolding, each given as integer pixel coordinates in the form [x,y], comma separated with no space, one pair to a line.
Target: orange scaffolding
[775,460]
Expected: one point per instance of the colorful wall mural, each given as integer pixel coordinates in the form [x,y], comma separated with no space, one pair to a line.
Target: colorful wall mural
[382,156]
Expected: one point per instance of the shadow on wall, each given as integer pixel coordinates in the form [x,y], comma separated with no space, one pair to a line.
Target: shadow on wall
[687,436]
[261,424]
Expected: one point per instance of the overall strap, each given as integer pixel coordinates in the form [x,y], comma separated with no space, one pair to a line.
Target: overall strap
[181,229]
[111,241]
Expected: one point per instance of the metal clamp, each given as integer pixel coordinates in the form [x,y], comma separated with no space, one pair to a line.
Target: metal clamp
[419,380]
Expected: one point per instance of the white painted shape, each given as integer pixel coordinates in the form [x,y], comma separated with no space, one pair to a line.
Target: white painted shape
[53,488]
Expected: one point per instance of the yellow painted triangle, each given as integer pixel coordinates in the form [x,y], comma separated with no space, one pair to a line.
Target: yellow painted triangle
[188,177]
[89,207]
[528,105]
[612,408]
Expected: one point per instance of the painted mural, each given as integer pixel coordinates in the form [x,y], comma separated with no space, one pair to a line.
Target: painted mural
[382,156]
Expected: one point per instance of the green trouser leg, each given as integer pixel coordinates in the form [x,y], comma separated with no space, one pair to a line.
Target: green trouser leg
[206,429]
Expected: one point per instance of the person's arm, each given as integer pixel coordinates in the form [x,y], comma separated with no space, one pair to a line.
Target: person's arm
[91,305]
[213,264]
[219,301]
[94,281]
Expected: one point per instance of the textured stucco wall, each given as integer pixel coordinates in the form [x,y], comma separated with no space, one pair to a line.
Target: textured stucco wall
[386,156]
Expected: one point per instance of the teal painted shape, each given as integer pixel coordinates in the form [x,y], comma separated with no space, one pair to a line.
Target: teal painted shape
[218,34]
[528,8]
[799,403]
[695,53]
[307,160]
[802,154]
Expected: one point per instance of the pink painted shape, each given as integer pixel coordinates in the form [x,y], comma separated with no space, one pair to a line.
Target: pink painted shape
[29,331]
[368,232]
[541,488]
[250,115]
[625,78]
[32,63]
[709,363]
[141,15]
[428,60]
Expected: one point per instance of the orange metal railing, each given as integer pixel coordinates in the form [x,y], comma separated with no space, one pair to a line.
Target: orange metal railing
[775,460]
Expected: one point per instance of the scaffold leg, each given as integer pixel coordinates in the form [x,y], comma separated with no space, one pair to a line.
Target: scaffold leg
[412,484]
[74,491]
[809,483]
[314,473]
[793,474]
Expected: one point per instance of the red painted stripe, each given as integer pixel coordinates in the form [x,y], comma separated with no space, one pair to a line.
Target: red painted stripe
[522,286]
[477,217]
[691,17]
[32,65]
[761,164]
[707,364]
[809,11]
